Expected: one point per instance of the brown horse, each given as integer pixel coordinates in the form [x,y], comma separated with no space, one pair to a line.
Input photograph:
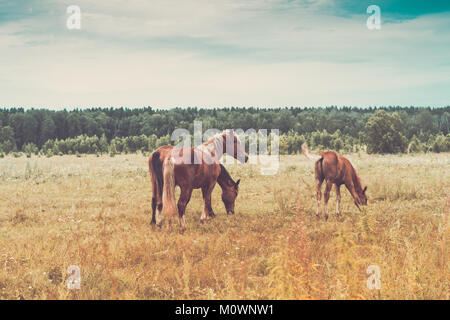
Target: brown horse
[230,189]
[193,168]
[338,170]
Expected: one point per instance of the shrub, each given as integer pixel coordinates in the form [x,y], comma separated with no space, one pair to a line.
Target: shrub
[441,144]
[415,146]
[384,133]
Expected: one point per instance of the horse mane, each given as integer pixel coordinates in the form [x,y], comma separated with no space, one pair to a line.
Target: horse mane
[225,175]
[216,142]
[210,140]
[355,177]
[213,140]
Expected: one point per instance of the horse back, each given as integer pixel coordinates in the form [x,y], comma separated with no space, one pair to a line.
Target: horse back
[344,172]
[201,170]
[331,167]
[164,152]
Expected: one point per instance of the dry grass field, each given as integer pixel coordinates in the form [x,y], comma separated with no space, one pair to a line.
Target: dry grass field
[94,212]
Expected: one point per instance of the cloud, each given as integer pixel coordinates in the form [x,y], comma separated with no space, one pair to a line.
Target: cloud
[217,53]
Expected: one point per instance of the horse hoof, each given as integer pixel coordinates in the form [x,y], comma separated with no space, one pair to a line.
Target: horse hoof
[326,218]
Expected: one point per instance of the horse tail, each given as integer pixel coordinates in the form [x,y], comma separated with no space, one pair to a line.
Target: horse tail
[155,166]
[168,195]
[310,156]
[320,161]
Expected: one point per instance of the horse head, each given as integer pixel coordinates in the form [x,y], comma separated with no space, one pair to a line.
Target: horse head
[229,194]
[362,198]
[230,189]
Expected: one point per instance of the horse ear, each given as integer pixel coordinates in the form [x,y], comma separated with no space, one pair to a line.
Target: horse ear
[237,183]
[364,190]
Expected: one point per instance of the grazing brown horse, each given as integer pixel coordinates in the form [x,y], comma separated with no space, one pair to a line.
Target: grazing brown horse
[230,189]
[193,168]
[338,170]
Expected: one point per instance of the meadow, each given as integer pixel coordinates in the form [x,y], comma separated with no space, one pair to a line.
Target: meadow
[94,213]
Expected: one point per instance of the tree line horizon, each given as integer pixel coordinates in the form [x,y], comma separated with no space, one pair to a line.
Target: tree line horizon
[124,130]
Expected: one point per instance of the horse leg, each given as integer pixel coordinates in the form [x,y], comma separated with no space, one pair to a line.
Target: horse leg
[211,213]
[206,191]
[326,198]
[159,207]
[158,216]
[210,209]
[153,221]
[318,194]
[338,200]
[182,203]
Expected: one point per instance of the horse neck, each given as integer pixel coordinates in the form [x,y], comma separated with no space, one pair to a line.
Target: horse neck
[224,179]
[356,180]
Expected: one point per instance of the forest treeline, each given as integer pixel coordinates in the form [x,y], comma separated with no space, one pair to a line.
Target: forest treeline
[122,130]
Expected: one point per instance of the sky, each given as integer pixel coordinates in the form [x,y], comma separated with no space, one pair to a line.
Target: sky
[223,53]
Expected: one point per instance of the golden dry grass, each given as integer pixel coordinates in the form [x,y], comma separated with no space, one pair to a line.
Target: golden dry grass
[94,212]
